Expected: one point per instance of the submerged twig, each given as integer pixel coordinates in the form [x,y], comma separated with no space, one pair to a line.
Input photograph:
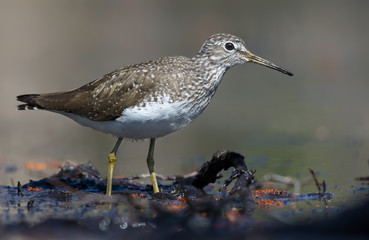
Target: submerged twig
[321,192]
[19,191]
[315,180]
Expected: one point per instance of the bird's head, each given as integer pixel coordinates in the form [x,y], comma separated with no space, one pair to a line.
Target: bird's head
[228,50]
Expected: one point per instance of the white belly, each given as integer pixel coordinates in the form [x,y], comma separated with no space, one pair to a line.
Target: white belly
[155,120]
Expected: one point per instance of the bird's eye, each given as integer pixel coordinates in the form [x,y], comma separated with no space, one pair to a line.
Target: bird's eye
[229,46]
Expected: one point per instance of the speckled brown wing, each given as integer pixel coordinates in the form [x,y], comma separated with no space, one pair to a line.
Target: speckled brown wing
[101,100]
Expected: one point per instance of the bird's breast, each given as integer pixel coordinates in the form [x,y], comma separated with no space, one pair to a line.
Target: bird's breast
[158,118]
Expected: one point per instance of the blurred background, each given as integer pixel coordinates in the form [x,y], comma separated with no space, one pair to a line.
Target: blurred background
[319,118]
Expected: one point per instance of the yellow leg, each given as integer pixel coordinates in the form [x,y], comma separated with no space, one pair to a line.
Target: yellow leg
[111,162]
[109,181]
[150,164]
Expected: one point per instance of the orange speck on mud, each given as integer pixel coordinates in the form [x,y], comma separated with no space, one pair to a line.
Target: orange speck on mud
[263,197]
[268,192]
[138,195]
[268,203]
[33,189]
[176,207]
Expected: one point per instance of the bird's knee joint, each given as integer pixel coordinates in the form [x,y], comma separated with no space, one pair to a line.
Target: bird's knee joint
[112,158]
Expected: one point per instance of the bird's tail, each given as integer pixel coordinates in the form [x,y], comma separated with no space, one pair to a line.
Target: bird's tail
[30,100]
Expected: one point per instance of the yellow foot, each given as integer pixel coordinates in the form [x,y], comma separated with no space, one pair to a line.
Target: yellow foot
[109,181]
[154,182]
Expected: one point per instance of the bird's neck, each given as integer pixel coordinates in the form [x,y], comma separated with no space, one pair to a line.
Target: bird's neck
[209,73]
[212,71]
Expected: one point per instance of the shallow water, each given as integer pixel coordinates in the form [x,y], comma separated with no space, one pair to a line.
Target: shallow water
[338,162]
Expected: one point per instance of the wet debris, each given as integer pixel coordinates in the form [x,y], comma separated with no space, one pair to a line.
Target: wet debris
[197,203]
[209,172]
[78,171]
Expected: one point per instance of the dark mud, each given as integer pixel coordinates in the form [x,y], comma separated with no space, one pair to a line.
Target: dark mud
[72,204]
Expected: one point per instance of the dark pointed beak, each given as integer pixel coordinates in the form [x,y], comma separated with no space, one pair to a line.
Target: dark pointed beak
[255,59]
